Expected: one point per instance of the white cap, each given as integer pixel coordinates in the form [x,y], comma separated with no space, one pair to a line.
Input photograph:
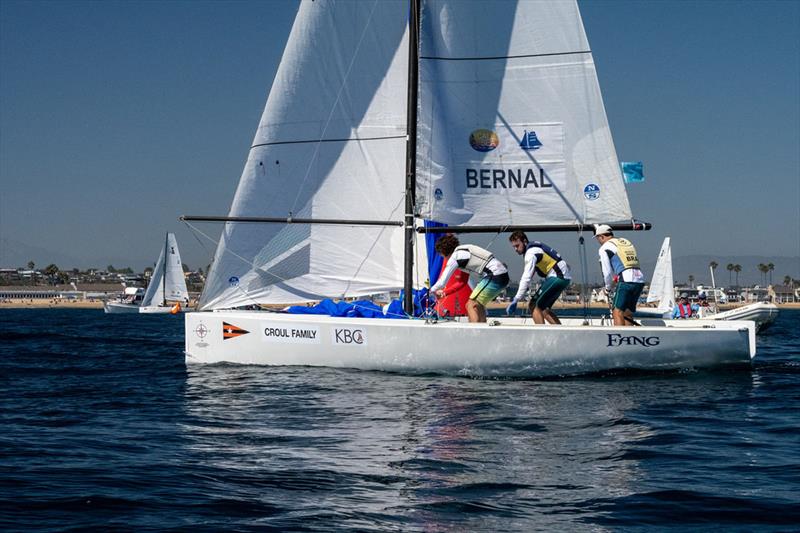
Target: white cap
[602,229]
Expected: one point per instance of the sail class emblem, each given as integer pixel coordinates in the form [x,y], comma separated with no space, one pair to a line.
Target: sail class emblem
[229,331]
[530,141]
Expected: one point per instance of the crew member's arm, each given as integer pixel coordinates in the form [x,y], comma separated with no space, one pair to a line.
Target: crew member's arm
[449,268]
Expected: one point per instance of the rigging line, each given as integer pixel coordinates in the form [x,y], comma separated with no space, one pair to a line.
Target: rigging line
[584,275]
[248,262]
[196,230]
[333,107]
[359,139]
[374,243]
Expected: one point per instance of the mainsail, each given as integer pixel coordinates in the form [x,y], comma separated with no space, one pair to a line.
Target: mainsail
[167,283]
[512,128]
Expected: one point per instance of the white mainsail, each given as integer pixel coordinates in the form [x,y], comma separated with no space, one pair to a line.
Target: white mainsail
[167,283]
[662,286]
[512,127]
[331,144]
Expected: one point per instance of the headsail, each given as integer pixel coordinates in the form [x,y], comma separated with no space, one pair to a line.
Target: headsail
[662,289]
[330,144]
[167,282]
[512,128]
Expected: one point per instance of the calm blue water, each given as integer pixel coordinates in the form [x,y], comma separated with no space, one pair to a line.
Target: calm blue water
[104,426]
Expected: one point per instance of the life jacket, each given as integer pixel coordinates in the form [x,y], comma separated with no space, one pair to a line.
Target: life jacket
[685,310]
[478,259]
[549,260]
[625,258]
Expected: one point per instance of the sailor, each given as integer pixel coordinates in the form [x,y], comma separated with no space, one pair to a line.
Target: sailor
[543,260]
[456,294]
[620,263]
[474,260]
[684,309]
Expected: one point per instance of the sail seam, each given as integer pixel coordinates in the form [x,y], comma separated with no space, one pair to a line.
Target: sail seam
[440,58]
[330,140]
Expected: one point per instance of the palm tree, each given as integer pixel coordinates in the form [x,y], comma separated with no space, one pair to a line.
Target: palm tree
[787,280]
[691,281]
[31,264]
[760,268]
[729,269]
[737,268]
[771,267]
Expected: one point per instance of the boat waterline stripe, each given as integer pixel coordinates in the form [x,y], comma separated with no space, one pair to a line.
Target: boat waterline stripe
[311,141]
[439,58]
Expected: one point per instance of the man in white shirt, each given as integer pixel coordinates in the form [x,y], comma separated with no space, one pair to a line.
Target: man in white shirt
[620,263]
[543,260]
[474,260]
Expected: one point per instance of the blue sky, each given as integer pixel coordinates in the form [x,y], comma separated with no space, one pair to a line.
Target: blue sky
[118,117]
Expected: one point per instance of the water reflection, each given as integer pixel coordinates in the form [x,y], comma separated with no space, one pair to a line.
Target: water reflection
[429,452]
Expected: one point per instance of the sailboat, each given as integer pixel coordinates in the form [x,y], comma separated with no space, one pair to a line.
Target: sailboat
[384,114]
[166,292]
[662,287]
[662,290]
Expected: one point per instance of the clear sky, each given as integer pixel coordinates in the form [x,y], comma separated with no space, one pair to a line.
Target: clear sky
[118,117]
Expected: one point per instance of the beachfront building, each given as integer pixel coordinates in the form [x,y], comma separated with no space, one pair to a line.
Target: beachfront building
[781,294]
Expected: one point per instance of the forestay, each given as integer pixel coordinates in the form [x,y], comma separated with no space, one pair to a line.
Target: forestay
[512,127]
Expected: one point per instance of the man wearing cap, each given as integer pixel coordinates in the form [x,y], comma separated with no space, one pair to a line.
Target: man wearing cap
[683,309]
[620,263]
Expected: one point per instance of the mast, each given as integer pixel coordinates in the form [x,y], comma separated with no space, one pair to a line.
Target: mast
[164,277]
[411,152]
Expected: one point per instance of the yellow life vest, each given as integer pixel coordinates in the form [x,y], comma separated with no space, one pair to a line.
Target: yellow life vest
[626,253]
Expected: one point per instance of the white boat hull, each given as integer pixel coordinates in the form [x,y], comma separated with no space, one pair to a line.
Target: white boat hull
[509,347]
[150,309]
[120,307]
[762,313]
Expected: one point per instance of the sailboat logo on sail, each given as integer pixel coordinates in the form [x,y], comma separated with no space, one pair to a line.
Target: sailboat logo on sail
[530,141]
[592,191]
[484,140]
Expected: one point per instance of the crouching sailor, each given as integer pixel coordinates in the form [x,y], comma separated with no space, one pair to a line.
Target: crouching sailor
[474,260]
[546,262]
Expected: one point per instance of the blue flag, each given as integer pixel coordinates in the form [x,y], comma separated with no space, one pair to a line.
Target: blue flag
[632,171]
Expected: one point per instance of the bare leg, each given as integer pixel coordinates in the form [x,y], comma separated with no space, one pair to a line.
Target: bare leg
[538,316]
[475,311]
[619,317]
[550,316]
[629,321]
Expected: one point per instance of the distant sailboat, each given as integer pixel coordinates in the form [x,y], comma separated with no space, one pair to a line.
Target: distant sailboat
[662,290]
[662,286]
[167,292]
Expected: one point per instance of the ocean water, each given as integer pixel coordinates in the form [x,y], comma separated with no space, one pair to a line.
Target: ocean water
[103,426]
